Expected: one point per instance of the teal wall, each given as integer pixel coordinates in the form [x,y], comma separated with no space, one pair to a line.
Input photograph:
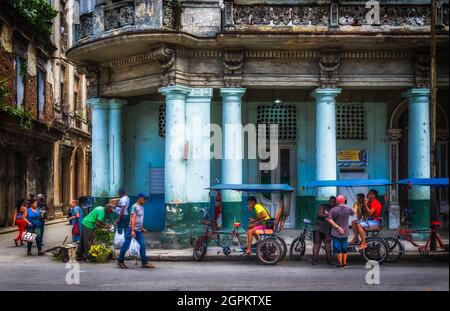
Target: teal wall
[143,148]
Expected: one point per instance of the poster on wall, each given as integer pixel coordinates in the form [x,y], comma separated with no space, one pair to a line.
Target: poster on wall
[351,158]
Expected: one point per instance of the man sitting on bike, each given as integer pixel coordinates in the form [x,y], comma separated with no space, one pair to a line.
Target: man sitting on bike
[373,213]
[258,215]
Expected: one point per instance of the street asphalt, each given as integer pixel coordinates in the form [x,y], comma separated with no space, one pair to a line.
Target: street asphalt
[19,272]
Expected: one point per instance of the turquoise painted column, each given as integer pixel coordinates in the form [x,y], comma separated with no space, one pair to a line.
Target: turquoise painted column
[100,149]
[419,154]
[198,115]
[232,154]
[325,139]
[115,146]
[177,230]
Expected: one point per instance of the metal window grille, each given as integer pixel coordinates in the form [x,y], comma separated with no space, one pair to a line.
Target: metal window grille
[350,121]
[162,120]
[284,116]
[87,6]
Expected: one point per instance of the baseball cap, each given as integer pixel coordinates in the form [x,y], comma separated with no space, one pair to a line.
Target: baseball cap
[141,195]
[121,190]
[340,199]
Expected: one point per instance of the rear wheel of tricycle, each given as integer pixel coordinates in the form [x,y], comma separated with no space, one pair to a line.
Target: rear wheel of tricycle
[396,249]
[376,250]
[200,248]
[284,245]
[269,251]
[298,248]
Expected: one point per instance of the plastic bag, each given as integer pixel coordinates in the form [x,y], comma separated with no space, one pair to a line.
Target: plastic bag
[119,239]
[134,248]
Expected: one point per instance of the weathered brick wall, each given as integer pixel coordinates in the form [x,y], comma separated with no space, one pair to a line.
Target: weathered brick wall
[31,94]
[49,112]
[7,72]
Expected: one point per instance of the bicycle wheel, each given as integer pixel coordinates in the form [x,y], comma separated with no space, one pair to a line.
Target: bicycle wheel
[298,248]
[200,248]
[376,250]
[396,249]
[284,245]
[269,251]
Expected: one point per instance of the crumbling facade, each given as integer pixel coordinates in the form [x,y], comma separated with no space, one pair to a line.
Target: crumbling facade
[346,81]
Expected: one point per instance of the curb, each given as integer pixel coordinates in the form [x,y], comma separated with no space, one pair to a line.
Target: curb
[47,223]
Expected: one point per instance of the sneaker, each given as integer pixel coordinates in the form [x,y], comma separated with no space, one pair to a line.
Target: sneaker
[16,242]
[148,266]
[121,265]
[29,253]
[330,263]
[345,266]
[339,267]
[314,263]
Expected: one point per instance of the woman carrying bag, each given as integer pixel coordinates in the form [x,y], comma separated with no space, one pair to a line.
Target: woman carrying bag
[34,216]
[76,217]
[20,220]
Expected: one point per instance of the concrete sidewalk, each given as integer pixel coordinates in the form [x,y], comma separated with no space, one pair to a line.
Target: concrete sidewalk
[4,230]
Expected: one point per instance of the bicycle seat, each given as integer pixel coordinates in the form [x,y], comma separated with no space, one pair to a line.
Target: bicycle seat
[435,223]
[265,231]
[236,225]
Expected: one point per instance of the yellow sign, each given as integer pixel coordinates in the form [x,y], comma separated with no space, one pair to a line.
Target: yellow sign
[349,155]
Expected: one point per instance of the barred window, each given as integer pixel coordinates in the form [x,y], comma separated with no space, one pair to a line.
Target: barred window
[350,121]
[162,120]
[87,6]
[284,116]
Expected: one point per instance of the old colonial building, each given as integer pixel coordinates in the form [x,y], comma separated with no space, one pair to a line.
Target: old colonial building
[44,128]
[348,83]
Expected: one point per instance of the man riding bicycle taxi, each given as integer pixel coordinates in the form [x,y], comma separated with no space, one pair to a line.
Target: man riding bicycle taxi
[258,215]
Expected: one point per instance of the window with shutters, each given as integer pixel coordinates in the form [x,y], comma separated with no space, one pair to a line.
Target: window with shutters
[156,180]
[350,121]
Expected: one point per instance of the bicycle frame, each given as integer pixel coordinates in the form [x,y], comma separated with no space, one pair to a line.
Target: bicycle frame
[433,233]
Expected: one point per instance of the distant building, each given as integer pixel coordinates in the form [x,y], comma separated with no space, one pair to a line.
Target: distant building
[50,154]
[347,85]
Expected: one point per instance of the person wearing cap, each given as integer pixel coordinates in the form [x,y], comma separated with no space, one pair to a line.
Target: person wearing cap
[338,218]
[122,212]
[135,231]
[96,218]
[42,207]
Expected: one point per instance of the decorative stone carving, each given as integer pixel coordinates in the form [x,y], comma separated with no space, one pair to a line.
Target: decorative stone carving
[422,62]
[233,61]
[279,15]
[86,27]
[92,79]
[329,63]
[166,58]
[402,15]
[228,15]
[119,15]
[171,14]
[394,134]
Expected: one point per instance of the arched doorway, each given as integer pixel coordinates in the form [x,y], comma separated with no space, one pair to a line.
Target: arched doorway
[77,173]
[398,151]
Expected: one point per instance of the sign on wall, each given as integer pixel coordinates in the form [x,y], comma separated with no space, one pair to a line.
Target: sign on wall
[351,158]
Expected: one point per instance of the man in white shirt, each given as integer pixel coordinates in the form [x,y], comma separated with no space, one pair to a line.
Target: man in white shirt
[122,212]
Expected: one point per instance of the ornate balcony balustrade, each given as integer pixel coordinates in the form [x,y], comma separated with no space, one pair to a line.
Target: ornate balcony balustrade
[238,14]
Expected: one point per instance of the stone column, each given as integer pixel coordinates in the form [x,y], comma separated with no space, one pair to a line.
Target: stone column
[419,154]
[394,208]
[178,222]
[57,200]
[232,154]
[325,139]
[100,147]
[115,146]
[198,115]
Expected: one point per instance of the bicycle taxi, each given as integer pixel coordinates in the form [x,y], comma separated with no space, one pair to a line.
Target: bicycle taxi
[396,246]
[377,247]
[270,248]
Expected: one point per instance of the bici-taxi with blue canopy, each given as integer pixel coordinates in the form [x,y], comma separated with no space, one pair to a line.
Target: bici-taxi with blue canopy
[270,248]
[377,247]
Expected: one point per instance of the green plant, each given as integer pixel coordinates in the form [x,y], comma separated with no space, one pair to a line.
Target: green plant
[38,12]
[99,252]
[103,236]
[25,118]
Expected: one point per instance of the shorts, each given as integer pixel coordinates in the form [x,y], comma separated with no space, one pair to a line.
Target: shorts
[340,245]
[321,237]
[370,223]
[261,227]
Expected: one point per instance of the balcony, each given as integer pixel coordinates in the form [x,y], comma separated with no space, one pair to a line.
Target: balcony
[127,16]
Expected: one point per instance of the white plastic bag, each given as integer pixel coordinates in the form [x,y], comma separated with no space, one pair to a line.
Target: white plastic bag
[119,239]
[134,248]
